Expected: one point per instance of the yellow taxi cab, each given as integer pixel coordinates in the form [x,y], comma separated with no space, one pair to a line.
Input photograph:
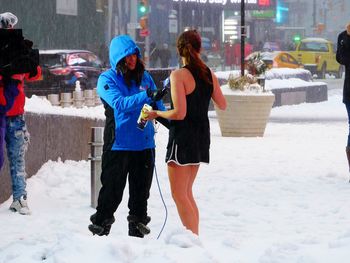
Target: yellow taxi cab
[278,59]
[318,56]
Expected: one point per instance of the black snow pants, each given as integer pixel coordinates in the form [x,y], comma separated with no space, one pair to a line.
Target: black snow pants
[117,166]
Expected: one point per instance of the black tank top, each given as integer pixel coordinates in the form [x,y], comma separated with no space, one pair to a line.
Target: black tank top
[198,101]
[189,139]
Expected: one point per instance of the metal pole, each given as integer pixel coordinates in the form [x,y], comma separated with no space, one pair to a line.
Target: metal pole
[110,14]
[180,18]
[147,47]
[242,35]
[325,8]
[96,154]
[314,13]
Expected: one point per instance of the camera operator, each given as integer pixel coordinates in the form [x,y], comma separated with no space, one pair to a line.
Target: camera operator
[129,147]
[15,130]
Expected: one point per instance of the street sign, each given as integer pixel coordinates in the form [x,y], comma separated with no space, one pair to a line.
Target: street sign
[133,25]
[173,26]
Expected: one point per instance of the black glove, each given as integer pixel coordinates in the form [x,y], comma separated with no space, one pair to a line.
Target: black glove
[156,95]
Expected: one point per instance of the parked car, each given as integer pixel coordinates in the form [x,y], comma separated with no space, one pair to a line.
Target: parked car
[62,68]
[270,46]
[318,56]
[278,59]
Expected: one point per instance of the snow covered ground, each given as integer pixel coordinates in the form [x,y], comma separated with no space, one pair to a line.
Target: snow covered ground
[277,199]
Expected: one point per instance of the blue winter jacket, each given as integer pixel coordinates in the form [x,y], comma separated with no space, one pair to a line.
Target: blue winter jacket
[127,102]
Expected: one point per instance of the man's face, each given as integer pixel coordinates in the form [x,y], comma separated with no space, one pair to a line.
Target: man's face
[130,61]
[4,24]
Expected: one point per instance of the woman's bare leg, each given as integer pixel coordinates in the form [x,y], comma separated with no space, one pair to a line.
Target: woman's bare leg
[194,171]
[181,180]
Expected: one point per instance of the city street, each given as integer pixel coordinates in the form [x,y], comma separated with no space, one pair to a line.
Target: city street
[312,112]
[265,179]
[281,198]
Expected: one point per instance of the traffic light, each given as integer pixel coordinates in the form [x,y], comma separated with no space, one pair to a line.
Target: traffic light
[296,38]
[143,11]
[143,8]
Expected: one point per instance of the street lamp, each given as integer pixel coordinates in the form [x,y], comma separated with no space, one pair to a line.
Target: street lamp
[242,35]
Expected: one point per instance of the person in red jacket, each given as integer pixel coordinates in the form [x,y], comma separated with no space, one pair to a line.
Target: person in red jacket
[17,139]
[8,93]
[16,134]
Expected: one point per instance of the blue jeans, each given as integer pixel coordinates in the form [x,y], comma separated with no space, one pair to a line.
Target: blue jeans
[17,139]
[2,138]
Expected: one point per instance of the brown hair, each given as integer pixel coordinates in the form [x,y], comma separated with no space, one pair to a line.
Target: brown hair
[130,75]
[187,44]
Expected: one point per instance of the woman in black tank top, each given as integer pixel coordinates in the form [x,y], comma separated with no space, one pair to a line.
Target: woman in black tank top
[192,88]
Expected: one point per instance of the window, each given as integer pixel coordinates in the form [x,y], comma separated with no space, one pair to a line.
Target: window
[292,60]
[83,59]
[314,46]
[67,7]
[284,58]
[51,60]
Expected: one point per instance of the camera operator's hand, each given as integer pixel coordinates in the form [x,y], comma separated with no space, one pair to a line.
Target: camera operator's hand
[10,92]
[33,72]
[11,87]
[156,95]
[28,43]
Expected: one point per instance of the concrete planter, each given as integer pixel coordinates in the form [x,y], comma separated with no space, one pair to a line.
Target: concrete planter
[246,115]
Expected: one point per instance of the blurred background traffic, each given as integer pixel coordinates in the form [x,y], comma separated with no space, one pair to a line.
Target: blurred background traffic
[73,36]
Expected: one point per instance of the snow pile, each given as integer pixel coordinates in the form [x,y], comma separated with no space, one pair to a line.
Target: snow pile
[40,105]
[273,84]
[282,198]
[274,73]
[278,78]
[288,73]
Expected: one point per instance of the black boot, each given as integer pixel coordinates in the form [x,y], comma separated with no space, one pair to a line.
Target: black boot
[102,229]
[137,227]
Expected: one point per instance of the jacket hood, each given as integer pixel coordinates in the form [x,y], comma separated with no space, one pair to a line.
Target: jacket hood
[120,47]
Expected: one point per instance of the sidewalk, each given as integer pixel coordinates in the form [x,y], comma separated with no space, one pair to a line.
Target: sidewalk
[281,198]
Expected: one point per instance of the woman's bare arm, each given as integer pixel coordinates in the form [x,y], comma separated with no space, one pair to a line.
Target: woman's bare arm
[217,95]
[178,96]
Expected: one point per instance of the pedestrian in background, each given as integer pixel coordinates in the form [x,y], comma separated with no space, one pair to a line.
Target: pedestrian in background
[343,58]
[128,151]
[165,56]
[192,88]
[16,134]
[153,55]
[103,54]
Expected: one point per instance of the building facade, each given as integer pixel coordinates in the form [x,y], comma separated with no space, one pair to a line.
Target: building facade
[317,18]
[57,24]
[218,22]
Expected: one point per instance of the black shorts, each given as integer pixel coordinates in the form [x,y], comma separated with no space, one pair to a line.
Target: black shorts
[188,146]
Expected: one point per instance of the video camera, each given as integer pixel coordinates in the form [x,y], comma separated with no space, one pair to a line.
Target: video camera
[16,53]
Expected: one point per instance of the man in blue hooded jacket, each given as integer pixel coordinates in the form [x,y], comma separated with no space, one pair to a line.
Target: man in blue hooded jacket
[128,152]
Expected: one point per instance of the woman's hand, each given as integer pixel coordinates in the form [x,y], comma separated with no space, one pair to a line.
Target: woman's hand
[151,115]
[348,29]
